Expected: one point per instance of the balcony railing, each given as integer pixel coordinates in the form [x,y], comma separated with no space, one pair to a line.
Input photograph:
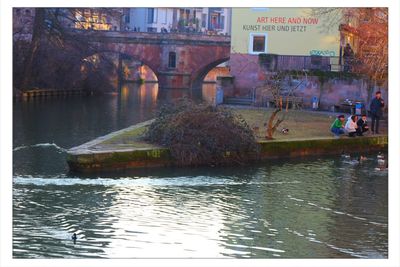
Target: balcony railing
[273,62]
[285,62]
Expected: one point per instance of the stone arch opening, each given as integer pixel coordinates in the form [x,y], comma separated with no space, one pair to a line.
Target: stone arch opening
[201,75]
[107,70]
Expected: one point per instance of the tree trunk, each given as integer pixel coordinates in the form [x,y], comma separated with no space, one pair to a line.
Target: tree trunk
[271,127]
[38,27]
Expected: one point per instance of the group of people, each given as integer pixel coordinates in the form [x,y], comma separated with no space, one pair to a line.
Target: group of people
[355,126]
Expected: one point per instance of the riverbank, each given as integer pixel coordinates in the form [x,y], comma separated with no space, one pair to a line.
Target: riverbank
[126,149]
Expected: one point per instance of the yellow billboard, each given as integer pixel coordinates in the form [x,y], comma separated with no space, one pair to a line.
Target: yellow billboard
[283,31]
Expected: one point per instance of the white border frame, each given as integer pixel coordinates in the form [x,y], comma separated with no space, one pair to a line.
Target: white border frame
[251,42]
[6,135]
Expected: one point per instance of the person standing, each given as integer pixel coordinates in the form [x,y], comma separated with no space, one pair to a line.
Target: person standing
[376,107]
[348,56]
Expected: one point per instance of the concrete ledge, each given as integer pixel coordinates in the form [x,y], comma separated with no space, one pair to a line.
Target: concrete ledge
[85,159]
[322,146]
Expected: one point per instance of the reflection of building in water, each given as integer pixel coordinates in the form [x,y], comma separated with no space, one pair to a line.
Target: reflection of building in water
[143,96]
[148,94]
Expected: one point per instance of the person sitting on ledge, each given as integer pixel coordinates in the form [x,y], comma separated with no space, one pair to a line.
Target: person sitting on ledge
[337,126]
[351,126]
[362,125]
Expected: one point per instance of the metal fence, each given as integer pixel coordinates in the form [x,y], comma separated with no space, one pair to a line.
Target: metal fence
[285,62]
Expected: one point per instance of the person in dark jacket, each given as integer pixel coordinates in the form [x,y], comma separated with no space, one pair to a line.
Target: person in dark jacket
[348,56]
[362,125]
[376,111]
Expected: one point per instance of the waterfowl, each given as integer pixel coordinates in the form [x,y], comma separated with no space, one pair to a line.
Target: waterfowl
[344,155]
[362,158]
[74,237]
[381,161]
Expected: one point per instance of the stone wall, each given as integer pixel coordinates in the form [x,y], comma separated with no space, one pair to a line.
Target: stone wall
[248,74]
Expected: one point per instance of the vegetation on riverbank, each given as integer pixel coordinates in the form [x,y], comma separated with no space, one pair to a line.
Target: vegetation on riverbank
[200,134]
[302,124]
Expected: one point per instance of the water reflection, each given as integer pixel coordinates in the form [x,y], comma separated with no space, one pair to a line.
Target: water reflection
[73,120]
[331,207]
[286,209]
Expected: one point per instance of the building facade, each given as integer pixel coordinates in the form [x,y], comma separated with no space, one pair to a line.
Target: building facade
[279,39]
[183,20]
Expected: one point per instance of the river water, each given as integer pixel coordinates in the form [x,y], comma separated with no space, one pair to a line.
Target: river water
[304,208]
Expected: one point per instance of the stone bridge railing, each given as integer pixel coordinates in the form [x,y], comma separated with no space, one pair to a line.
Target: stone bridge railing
[147,37]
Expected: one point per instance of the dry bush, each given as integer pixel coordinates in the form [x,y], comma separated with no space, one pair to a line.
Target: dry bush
[199,134]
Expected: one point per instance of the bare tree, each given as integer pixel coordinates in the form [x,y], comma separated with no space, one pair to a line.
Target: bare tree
[57,46]
[370,25]
[281,95]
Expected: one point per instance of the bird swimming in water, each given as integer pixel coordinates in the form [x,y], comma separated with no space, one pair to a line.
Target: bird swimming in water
[362,158]
[380,158]
[344,155]
[74,238]
[381,161]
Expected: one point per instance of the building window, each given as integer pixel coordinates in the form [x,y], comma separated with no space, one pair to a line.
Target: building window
[150,15]
[181,13]
[258,43]
[151,29]
[172,60]
[162,15]
[222,22]
[214,21]
[127,18]
[203,20]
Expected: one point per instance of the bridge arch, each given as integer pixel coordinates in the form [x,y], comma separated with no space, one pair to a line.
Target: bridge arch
[199,76]
[196,55]
[116,68]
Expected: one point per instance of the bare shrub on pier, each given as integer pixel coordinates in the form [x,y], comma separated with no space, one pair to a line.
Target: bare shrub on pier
[200,134]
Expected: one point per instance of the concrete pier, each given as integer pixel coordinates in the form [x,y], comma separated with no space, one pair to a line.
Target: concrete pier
[125,149]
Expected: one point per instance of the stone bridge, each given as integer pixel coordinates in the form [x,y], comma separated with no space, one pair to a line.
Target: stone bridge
[178,60]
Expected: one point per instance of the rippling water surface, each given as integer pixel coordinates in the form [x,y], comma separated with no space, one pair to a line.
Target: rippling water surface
[309,208]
